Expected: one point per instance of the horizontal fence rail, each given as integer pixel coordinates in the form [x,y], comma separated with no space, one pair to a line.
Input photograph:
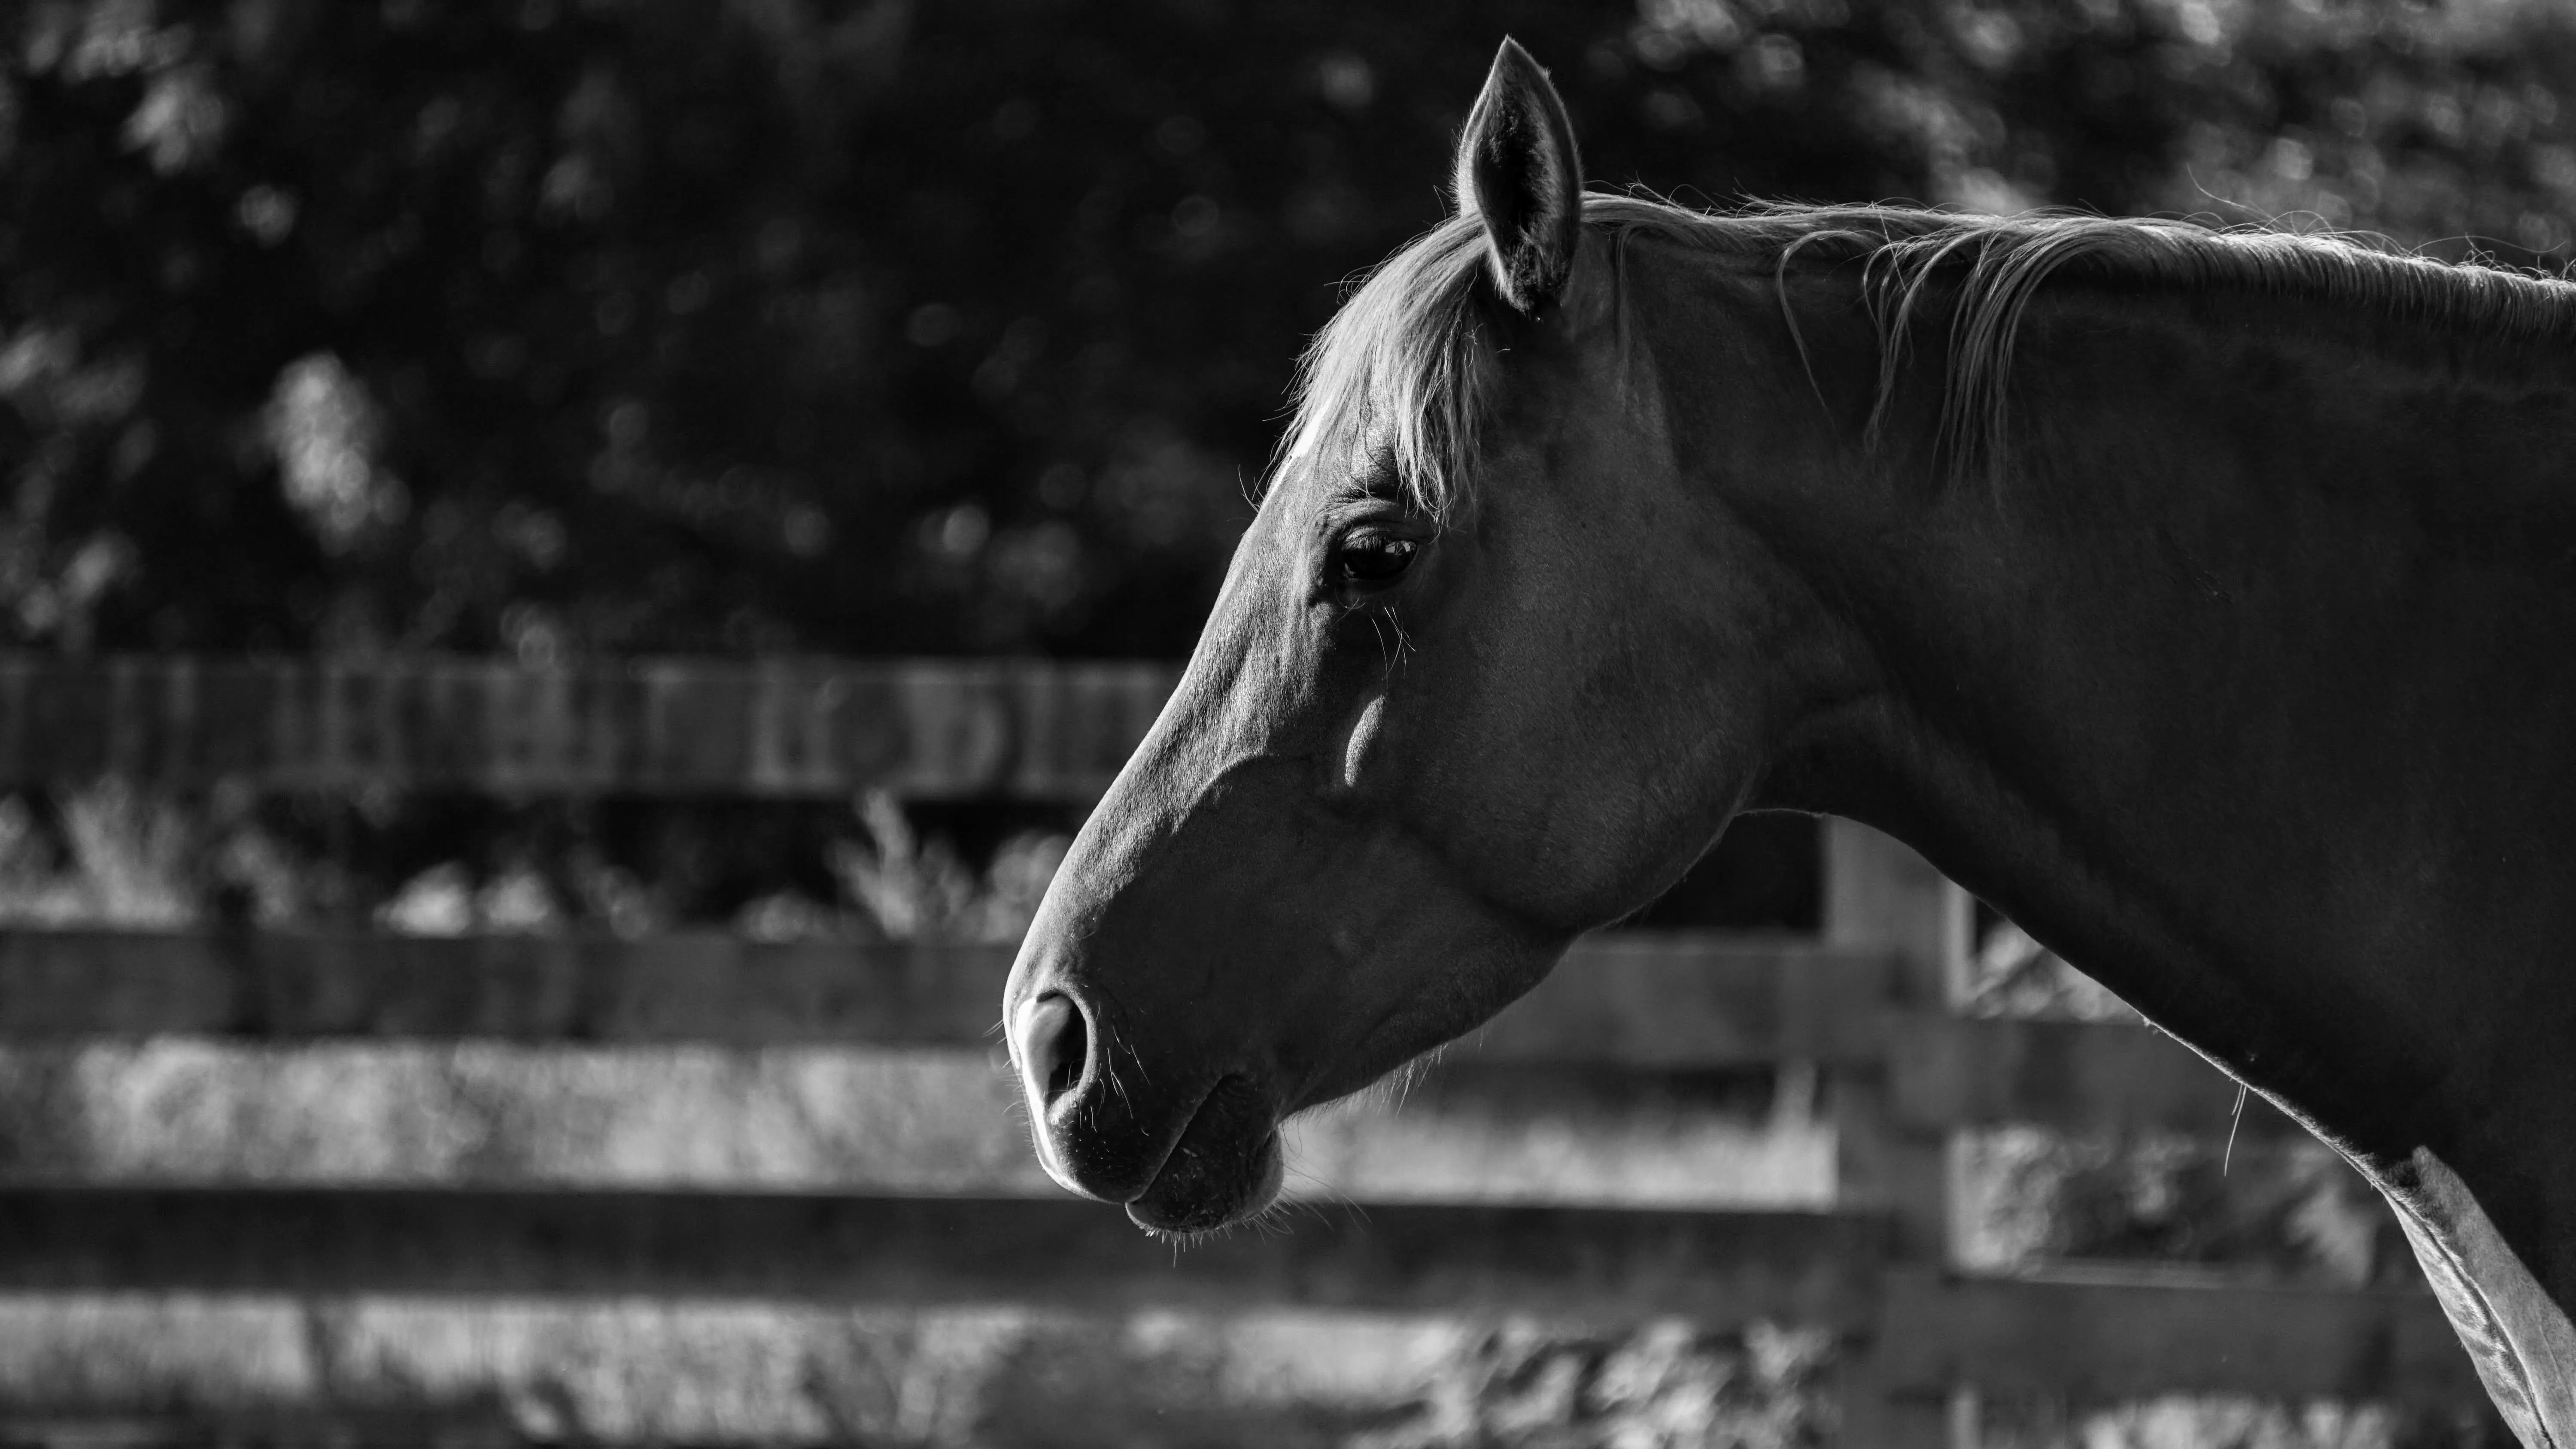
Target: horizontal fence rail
[2101,1337]
[1625,1263]
[935,729]
[1681,1002]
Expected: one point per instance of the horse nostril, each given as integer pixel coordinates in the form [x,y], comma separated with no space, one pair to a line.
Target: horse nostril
[1054,1044]
[1069,1062]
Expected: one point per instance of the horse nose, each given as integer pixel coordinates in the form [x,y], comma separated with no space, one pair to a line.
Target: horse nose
[1054,1047]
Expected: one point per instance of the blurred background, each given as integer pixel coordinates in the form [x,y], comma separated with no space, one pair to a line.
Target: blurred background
[777,329]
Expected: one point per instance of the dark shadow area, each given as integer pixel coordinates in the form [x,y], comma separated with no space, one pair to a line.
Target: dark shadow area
[1765,873]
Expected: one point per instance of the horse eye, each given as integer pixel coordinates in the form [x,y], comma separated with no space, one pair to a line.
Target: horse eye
[1372,558]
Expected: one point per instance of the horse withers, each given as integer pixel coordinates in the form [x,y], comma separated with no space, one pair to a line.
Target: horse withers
[2207,601]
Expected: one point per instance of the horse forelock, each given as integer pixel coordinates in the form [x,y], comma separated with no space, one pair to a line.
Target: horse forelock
[1399,368]
[1404,365]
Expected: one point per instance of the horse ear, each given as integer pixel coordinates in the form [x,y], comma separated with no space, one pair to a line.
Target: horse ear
[1517,170]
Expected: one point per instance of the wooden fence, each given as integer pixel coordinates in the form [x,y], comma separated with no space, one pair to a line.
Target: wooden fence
[1870,1003]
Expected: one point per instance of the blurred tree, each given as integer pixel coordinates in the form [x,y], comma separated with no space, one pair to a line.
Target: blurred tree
[842,325]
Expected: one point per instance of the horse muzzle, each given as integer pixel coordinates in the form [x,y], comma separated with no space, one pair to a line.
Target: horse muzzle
[1179,1163]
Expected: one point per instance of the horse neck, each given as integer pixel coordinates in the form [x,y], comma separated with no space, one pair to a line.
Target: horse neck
[2248,683]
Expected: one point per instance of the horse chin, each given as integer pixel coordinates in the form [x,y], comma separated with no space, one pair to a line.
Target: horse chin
[1227,1166]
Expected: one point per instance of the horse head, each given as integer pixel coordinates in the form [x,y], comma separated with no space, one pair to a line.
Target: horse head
[1483,674]
[2206,658]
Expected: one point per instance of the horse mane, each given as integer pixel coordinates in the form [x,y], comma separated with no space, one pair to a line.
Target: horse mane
[1404,356]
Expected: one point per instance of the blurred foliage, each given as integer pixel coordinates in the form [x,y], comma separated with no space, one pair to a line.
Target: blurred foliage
[2227,1422]
[110,855]
[437,864]
[2295,1208]
[2013,975]
[855,326]
[1665,1385]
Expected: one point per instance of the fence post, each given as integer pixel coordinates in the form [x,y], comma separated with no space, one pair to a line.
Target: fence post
[1880,895]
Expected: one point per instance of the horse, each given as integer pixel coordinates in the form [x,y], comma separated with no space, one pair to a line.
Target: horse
[2205,600]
